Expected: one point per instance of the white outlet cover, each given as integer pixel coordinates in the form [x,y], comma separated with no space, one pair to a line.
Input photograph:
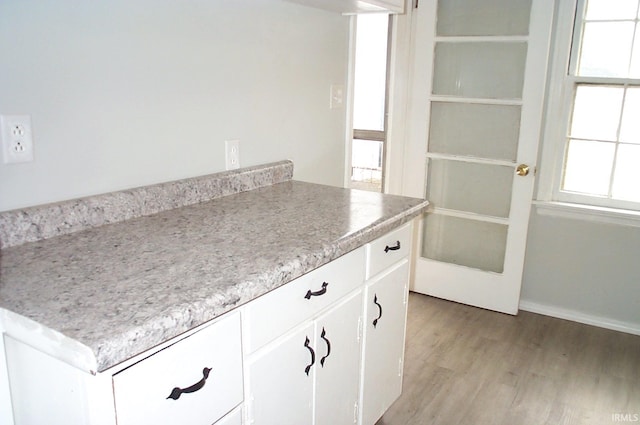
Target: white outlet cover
[232,154]
[17,140]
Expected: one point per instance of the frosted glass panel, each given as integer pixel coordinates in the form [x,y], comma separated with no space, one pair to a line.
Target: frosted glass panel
[478,188]
[486,17]
[482,131]
[465,242]
[492,70]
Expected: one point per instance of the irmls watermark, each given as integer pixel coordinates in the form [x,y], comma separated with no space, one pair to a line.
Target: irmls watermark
[625,417]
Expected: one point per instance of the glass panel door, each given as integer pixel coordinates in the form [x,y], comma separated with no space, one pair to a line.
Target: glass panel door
[477,96]
[476,103]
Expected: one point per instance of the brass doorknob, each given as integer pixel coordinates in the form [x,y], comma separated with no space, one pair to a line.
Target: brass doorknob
[522,170]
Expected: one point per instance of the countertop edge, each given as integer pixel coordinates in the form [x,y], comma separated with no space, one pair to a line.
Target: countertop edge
[294,268]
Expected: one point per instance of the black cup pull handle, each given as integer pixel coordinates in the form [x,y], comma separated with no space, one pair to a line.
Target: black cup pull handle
[323,335]
[313,356]
[392,248]
[177,392]
[375,301]
[317,293]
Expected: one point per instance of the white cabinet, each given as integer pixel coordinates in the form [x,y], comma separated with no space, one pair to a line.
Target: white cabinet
[394,6]
[279,389]
[273,314]
[312,369]
[331,359]
[338,368]
[47,390]
[198,380]
[385,313]
[324,349]
[310,374]
[349,7]
[233,418]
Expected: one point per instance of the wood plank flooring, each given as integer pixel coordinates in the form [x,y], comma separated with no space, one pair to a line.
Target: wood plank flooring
[465,365]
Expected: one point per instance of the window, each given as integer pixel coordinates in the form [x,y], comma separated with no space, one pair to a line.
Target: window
[370,102]
[601,107]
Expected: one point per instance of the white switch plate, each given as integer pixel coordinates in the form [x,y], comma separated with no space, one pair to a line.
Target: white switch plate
[17,141]
[232,154]
[337,96]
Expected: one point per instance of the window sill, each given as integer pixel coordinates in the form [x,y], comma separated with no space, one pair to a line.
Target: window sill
[588,213]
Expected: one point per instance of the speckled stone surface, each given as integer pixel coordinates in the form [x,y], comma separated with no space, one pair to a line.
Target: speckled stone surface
[43,222]
[120,289]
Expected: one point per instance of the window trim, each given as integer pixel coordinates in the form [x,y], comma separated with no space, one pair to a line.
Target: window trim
[561,90]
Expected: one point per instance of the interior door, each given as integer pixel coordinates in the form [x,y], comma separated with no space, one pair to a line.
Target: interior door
[477,90]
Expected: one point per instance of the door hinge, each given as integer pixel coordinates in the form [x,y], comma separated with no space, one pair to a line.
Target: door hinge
[355,413]
[359,328]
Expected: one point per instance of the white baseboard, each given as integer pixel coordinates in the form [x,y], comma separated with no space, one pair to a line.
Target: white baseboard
[576,316]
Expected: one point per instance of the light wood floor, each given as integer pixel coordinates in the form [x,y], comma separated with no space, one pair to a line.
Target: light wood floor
[465,365]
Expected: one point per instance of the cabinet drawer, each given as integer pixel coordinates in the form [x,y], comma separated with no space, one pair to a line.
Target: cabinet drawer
[388,249]
[171,386]
[278,311]
[233,418]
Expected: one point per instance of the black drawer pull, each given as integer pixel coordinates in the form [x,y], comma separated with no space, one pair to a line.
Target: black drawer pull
[177,392]
[313,356]
[323,336]
[317,293]
[375,301]
[392,248]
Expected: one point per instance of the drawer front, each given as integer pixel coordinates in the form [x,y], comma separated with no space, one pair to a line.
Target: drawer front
[197,380]
[275,313]
[233,418]
[388,249]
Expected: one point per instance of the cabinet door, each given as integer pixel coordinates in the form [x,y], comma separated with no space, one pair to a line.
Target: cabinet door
[338,367]
[233,418]
[385,319]
[280,380]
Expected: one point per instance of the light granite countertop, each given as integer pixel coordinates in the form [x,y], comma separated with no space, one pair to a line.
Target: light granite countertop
[121,288]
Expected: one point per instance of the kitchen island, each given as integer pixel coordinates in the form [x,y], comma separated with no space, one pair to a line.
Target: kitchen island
[100,284]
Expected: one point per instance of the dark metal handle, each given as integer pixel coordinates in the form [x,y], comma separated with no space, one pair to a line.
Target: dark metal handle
[375,301]
[317,293]
[392,248]
[177,392]
[313,356]
[323,336]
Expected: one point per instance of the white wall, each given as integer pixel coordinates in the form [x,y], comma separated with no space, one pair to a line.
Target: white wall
[583,270]
[129,93]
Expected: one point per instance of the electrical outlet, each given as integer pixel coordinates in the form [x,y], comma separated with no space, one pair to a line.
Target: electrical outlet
[232,154]
[17,142]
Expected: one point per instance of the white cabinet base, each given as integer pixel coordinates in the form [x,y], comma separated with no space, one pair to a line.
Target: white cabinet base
[322,361]
[386,313]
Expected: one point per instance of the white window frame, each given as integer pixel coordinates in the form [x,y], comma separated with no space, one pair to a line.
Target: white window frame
[561,90]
